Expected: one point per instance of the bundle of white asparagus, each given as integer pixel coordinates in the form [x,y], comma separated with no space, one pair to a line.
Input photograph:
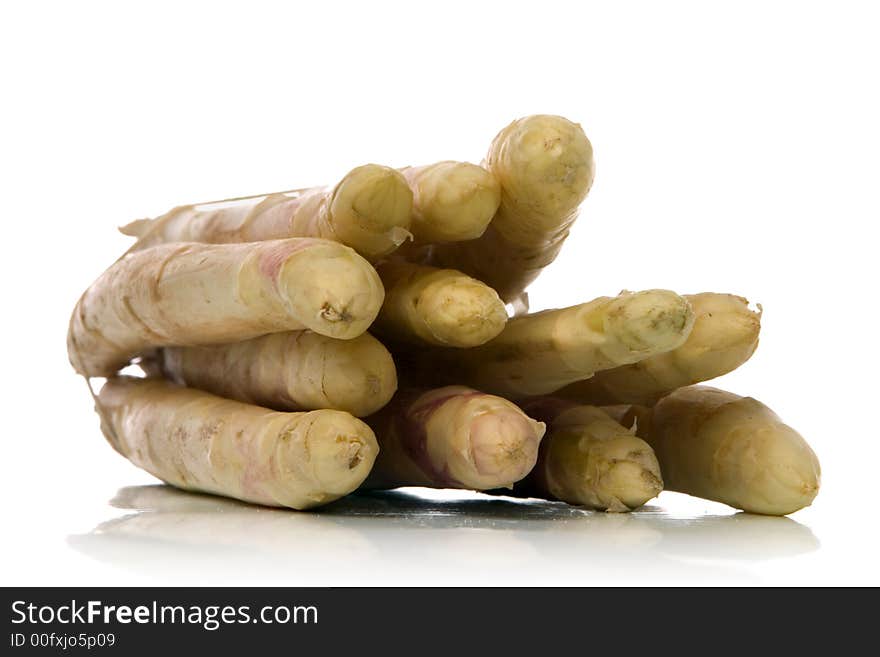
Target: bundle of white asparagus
[249,319]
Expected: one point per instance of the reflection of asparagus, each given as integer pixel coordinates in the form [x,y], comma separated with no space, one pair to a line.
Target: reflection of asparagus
[201,522]
[741,536]
[164,498]
[187,537]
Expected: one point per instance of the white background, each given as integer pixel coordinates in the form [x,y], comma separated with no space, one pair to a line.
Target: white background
[737,151]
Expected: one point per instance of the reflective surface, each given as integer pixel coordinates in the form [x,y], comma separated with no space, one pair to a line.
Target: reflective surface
[418,537]
[761,180]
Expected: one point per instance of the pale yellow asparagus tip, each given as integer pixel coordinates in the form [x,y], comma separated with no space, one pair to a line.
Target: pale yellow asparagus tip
[504,444]
[632,476]
[360,379]
[201,294]
[589,459]
[545,166]
[331,277]
[720,446]
[453,437]
[438,306]
[198,441]
[462,312]
[372,207]
[452,201]
[759,464]
[291,371]
[649,322]
[544,352]
[725,335]
[341,452]
[793,473]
